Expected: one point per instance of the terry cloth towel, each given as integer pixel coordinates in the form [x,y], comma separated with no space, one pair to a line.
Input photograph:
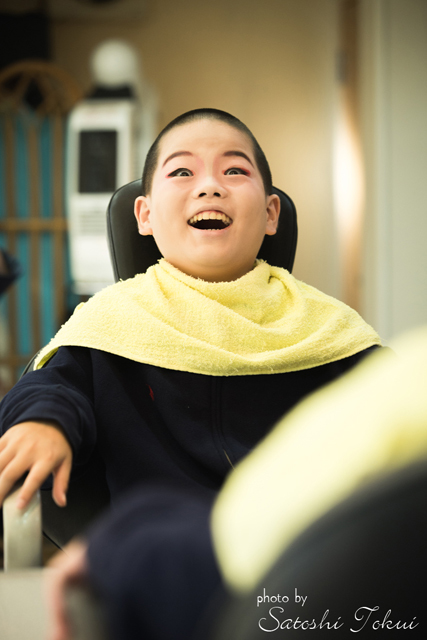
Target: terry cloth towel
[264,322]
[367,424]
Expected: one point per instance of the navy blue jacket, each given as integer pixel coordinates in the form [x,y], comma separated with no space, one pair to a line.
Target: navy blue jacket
[154,424]
[171,437]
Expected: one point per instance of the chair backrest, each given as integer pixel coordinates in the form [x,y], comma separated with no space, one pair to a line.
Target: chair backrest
[132,253]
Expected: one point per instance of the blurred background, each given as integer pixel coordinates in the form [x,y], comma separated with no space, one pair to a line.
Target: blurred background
[335,91]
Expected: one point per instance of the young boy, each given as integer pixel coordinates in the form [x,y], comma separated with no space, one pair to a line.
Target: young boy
[176,374]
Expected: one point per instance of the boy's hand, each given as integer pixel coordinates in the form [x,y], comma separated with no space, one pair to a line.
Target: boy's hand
[70,568]
[41,449]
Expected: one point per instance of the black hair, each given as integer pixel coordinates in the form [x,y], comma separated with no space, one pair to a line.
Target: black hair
[205,114]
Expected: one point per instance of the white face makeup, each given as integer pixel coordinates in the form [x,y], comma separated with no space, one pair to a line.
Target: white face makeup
[207,209]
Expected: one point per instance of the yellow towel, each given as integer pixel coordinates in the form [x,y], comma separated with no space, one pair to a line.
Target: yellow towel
[264,322]
[370,422]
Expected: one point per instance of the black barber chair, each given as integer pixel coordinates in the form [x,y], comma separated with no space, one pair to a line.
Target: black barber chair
[132,253]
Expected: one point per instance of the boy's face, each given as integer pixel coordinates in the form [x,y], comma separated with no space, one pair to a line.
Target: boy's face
[207,169]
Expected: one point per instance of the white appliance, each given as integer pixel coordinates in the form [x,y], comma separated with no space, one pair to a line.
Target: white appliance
[102,155]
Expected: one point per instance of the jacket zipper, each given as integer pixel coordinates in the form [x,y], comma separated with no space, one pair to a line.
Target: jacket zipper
[216,415]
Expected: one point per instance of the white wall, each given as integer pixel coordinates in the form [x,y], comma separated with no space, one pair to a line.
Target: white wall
[270,63]
[394,116]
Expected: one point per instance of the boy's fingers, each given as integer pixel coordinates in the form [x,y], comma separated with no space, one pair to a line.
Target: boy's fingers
[39,450]
[58,617]
[5,487]
[11,473]
[5,457]
[70,567]
[3,442]
[37,475]
[60,483]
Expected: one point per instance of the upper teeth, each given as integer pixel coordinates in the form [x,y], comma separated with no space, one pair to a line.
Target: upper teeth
[210,215]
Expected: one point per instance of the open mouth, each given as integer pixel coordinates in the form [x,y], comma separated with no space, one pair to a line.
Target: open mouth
[212,220]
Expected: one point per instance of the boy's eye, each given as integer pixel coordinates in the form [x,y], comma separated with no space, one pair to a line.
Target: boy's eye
[234,171]
[181,173]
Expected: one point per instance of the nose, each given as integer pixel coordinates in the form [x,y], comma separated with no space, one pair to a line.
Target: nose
[209,187]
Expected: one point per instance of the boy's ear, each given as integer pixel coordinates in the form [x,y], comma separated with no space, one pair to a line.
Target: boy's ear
[142,215]
[273,212]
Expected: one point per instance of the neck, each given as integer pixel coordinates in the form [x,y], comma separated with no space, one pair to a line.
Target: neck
[215,275]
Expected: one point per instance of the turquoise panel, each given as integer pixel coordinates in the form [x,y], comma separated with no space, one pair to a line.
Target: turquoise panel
[4,309]
[2,172]
[22,175]
[4,298]
[21,169]
[45,164]
[24,335]
[47,301]
[72,299]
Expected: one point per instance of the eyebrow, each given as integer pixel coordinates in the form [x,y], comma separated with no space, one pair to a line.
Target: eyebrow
[240,154]
[176,154]
[226,154]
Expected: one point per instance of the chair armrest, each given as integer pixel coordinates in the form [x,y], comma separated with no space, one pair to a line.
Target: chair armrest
[22,533]
[23,606]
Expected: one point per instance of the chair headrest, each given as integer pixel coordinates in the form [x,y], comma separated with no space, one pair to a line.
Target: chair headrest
[132,253]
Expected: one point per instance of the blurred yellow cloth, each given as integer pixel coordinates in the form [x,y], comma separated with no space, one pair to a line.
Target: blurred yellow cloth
[264,322]
[371,421]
